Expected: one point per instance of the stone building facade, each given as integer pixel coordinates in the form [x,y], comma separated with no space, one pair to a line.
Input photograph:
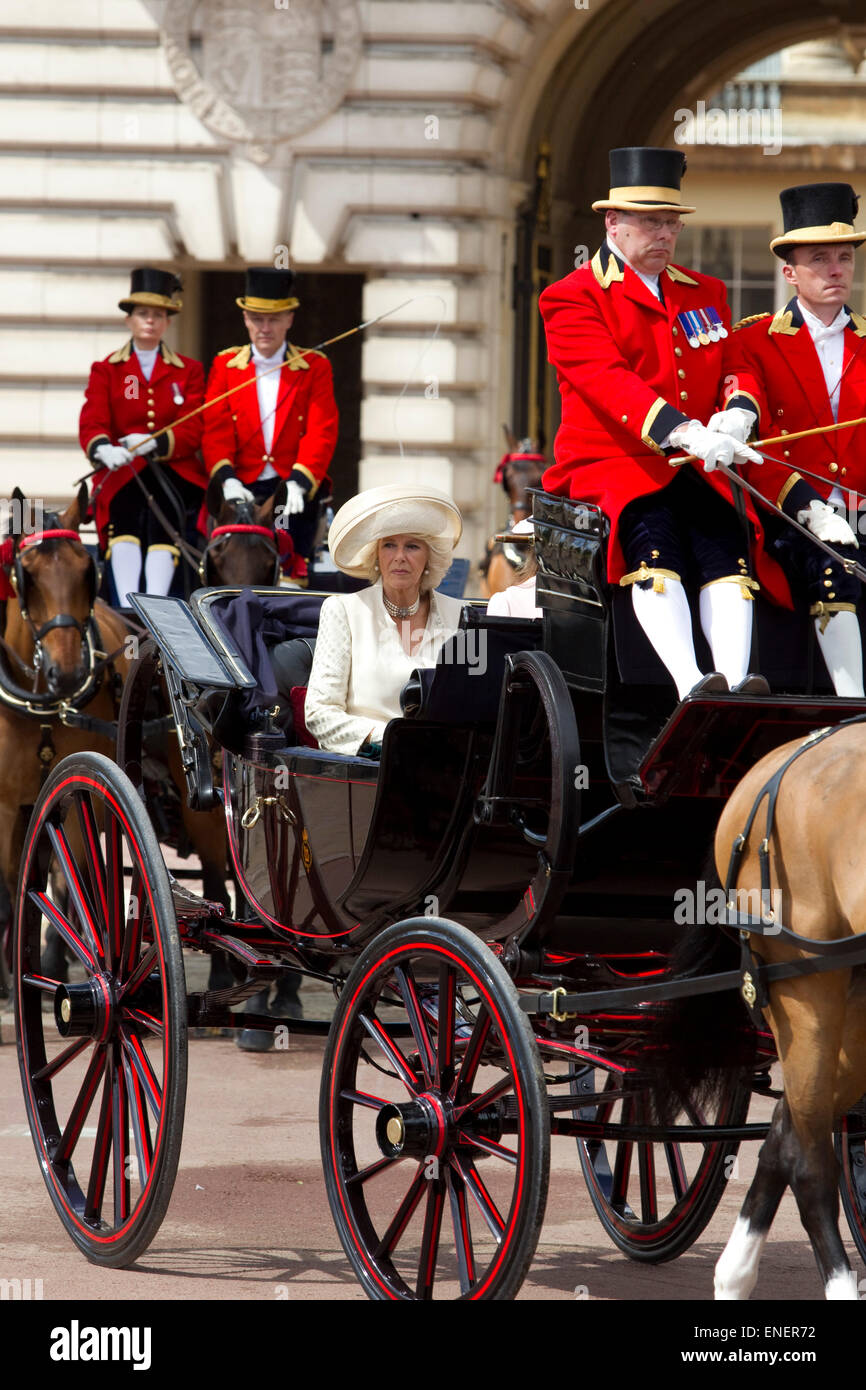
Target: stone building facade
[433,154]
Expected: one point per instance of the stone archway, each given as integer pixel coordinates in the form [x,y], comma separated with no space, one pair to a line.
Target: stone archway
[612,73]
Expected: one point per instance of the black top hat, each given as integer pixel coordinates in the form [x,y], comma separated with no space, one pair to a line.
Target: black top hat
[154,287]
[814,213]
[645,179]
[268,291]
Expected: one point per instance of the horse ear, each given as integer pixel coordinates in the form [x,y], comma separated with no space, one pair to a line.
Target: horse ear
[273,505]
[71,519]
[213,497]
[83,503]
[510,439]
[17,513]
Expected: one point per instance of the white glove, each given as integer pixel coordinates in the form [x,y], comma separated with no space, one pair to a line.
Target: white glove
[111,456]
[234,491]
[713,448]
[826,524]
[736,422]
[295,498]
[137,445]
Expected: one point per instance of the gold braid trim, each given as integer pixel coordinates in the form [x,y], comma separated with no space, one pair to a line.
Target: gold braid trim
[789,482]
[824,612]
[746,584]
[658,577]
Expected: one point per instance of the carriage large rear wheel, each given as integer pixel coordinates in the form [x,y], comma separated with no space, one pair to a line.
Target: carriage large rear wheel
[654,1197]
[434,1119]
[102,1057]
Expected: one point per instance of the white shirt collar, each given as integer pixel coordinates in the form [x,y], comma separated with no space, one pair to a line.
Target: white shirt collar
[817,328]
[651,281]
[269,361]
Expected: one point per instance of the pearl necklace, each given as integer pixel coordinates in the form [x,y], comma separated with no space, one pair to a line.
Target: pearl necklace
[396,611]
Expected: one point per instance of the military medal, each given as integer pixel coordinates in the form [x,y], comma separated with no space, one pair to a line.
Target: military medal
[721,330]
[688,327]
[703,336]
[709,326]
[176,393]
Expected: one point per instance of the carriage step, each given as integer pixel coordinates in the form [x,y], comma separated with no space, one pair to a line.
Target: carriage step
[189,906]
[263,967]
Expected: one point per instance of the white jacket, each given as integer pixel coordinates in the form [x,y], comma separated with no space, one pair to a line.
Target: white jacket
[360,667]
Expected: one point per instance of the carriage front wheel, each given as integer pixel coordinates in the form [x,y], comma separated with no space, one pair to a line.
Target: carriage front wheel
[434,1119]
[102,1056]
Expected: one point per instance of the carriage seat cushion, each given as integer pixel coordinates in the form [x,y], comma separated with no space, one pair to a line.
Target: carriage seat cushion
[298,699]
[292,662]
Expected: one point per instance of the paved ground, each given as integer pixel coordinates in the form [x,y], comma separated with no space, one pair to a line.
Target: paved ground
[249,1218]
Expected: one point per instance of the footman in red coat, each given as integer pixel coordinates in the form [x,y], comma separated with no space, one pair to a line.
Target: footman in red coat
[797,370]
[137,391]
[284,424]
[637,343]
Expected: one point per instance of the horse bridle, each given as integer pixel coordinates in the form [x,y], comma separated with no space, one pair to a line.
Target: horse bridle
[86,629]
[220,534]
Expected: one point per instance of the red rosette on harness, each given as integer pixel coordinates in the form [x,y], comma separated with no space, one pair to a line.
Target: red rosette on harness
[499,475]
[7,554]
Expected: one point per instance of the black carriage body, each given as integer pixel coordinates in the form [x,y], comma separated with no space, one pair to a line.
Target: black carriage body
[544,795]
[331,849]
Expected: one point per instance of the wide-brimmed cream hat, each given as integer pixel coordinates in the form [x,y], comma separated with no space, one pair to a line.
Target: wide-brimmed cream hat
[397,509]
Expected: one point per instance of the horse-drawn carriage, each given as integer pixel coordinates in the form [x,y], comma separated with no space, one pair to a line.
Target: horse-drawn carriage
[495,903]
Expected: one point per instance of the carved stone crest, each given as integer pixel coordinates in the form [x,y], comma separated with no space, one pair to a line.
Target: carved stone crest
[266,69]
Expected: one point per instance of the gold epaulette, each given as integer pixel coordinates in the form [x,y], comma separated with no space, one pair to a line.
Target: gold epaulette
[123,354]
[752,318]
[241,356]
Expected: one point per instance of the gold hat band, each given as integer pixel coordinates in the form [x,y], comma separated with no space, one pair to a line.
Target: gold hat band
[266,306]
[836,231]
[155,301]
[637,192]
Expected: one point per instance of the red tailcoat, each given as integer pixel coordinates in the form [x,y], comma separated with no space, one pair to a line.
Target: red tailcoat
[120,401]
[305,424]
[772,366]
[628,376]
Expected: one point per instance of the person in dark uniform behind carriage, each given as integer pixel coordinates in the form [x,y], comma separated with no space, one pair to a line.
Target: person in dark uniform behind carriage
[800,368]
[637,344]
[285,427]
[140,389]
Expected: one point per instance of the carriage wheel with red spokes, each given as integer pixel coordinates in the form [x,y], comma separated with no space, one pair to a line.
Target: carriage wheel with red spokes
[655,1196]
[102,1056]
[434,1119]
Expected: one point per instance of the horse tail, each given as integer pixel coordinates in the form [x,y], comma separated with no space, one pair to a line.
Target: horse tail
[698,1040]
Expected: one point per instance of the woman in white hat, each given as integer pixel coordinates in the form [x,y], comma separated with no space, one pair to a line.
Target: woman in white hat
[401,538]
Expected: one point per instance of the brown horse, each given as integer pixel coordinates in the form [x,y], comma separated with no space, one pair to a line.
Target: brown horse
[243,544]
[519,470]
[818,1020]
[60,645]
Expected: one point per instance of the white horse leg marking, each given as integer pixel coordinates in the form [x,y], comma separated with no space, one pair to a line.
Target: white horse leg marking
[841,1286]
[737,1267]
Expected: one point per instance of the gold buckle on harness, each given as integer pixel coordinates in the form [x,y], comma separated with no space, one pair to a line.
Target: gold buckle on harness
[556,1016]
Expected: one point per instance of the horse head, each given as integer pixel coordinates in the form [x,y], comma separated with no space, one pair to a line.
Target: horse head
[55,581]
[244,542]
[520,469]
